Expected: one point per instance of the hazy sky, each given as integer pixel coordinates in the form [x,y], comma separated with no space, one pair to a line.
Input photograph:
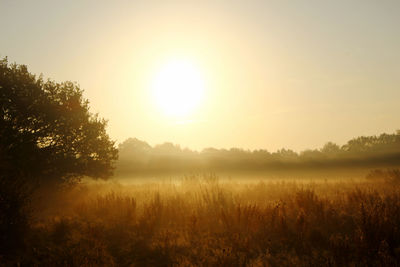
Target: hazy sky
[291,74]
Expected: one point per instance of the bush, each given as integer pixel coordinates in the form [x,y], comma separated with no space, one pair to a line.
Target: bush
[391,176]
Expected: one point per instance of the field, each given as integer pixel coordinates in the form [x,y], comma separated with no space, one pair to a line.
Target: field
[206,221]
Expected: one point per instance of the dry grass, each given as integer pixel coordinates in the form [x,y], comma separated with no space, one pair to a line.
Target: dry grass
[207,222]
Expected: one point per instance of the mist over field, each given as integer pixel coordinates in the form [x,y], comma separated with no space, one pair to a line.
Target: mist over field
[199,133]
[138,158]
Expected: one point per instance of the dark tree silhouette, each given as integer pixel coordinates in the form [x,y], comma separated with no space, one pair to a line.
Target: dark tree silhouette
[47,131]
[47,136]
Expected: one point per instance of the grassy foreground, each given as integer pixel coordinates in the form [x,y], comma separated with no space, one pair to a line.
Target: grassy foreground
[207,222]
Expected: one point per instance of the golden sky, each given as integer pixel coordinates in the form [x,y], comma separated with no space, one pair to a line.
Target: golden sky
[261,74]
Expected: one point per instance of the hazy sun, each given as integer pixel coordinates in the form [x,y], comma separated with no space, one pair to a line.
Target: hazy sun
[178,88]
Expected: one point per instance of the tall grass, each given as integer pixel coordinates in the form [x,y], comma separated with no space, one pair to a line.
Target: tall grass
[202,221]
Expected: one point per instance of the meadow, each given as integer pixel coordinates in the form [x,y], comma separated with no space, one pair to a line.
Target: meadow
[208,221]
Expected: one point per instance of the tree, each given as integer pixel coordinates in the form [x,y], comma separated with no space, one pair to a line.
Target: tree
[47,130]
[331,149]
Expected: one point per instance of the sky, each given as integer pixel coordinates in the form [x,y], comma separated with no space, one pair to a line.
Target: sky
[273,74]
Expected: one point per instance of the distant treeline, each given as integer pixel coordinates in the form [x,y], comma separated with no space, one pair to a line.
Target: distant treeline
[138,157]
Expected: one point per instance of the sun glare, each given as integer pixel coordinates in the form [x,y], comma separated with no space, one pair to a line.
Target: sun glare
[178,88]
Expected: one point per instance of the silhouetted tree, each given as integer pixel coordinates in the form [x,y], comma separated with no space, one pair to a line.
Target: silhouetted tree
[330,149]
[369,151]
[167,148]
[47,131]
[47,134]
[134,147]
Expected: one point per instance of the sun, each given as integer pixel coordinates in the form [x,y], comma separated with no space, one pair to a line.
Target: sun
[178,88]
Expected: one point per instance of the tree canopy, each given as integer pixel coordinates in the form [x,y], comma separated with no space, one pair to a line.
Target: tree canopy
[138,157]
[47,130]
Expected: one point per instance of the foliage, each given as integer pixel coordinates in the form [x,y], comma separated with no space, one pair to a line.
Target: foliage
[47,130]
[47,137]
[138,157]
